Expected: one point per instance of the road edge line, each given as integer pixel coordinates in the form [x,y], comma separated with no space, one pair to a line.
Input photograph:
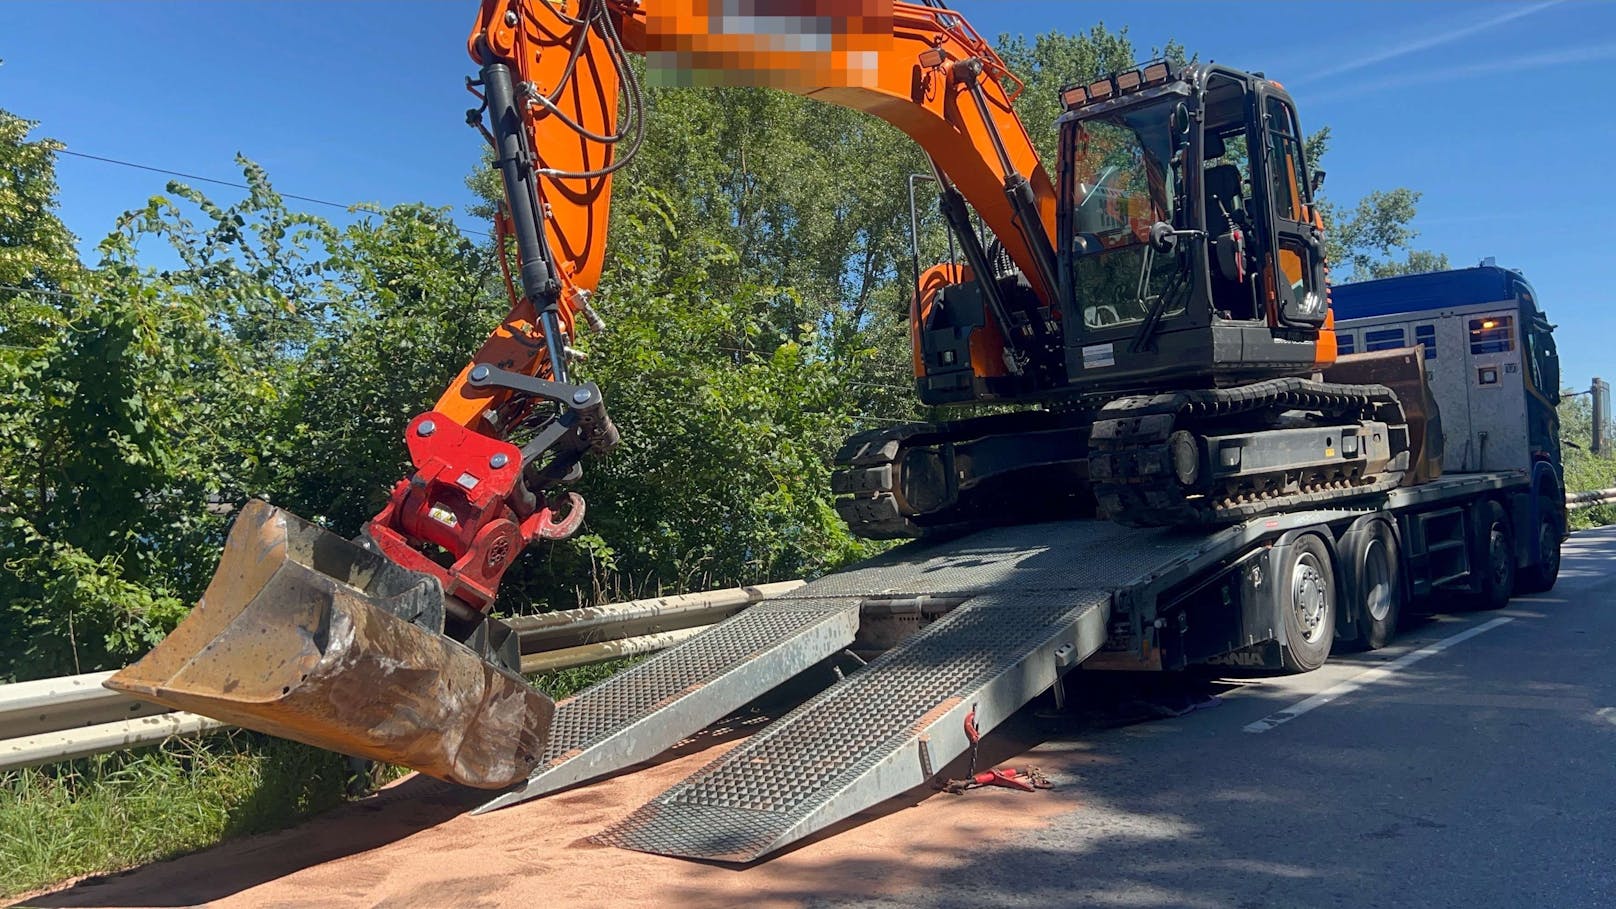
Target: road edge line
[1368,676]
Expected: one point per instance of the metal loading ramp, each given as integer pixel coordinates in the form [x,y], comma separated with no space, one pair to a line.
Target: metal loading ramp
[645,710]
[1037,600]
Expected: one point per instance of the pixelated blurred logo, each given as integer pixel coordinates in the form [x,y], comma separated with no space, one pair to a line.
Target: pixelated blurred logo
[795,45]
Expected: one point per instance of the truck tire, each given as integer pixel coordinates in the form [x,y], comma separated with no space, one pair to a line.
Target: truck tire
[1306,598]
[1540,578]
[1493,558]
[1375,563]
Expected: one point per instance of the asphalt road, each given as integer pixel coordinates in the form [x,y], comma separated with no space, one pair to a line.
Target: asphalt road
[1480,775]
[1471,764]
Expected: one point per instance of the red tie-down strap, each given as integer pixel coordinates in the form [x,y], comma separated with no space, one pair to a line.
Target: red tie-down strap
[466,497]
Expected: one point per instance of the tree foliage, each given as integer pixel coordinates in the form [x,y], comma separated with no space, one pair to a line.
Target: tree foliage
[36,251]
[144,402]
[1585,471]
[1375,238]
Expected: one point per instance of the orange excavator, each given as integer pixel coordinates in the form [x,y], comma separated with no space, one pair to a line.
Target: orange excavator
[1159,308]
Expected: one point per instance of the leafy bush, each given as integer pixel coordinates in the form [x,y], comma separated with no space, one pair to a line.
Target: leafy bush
[1584,470]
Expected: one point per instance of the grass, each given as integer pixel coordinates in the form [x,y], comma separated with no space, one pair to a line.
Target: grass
[1584,472]
[565,682]
[118,810]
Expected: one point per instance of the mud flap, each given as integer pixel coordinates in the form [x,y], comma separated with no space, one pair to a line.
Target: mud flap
[305,635]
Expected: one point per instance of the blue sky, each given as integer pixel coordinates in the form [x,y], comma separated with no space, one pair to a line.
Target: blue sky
[1501,113]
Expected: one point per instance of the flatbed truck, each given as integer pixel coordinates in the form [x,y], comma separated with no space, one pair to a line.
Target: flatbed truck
[970,629]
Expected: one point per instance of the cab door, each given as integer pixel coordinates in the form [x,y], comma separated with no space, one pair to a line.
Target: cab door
[1294,270]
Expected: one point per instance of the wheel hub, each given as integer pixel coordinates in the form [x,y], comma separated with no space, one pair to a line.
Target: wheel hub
[1308,597]
[1377,572]
[1499,556]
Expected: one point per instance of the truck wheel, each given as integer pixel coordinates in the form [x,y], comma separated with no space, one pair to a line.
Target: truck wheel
[1540,578]
[1306,598]
[1494,562]
[1377,587]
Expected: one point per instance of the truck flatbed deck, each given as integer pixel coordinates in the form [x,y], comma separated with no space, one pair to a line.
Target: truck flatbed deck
[1014,608]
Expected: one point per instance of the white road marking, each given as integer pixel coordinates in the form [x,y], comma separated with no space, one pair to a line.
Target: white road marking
[1367,676]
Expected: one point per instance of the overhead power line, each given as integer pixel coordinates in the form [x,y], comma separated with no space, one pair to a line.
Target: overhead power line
[39,290]
[230,183]
[196,177]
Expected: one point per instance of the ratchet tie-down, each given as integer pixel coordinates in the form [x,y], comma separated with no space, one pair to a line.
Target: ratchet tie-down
[1026,779]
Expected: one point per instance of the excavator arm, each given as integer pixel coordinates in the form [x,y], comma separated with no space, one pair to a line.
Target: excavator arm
[552,80]
[384,647]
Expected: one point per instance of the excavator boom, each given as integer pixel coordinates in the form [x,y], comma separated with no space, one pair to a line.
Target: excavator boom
[385,646]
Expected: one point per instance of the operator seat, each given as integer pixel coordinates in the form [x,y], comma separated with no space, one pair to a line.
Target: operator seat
[1222,182]
[1225,209]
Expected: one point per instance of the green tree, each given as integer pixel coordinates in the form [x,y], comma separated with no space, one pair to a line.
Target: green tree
[76,447]
[1584,470]
[1374,239]
[37,256]
[408,299]
[755,246]
[126,418]
[1054,59]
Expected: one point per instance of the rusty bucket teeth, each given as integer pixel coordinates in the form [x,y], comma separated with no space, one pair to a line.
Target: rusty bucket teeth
[305,635]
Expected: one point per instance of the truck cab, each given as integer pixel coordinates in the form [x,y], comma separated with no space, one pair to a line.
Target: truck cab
[1490,354]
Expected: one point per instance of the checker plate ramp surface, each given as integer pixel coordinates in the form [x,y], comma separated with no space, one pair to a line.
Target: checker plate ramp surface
[1039,599]
[640,712]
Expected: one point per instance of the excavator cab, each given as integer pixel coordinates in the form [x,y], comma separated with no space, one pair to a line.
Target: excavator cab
[1190,315]
[1189,252]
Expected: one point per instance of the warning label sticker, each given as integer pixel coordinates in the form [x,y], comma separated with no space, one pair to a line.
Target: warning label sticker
[1096,356]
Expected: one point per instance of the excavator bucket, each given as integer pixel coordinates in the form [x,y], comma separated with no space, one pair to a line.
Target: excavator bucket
[1401,369]
[305,635]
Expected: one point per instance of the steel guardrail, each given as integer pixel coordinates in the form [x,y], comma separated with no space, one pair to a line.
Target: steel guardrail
[1591,498]
[49,720]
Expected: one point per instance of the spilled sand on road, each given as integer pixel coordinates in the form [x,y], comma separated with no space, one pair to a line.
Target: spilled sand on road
[415,844]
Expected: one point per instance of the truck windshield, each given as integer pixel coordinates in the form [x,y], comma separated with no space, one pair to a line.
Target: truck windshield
[1121,180]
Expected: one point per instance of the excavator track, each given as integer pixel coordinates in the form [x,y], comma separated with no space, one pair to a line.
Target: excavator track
[941,479]
[1143,447]
[867,496]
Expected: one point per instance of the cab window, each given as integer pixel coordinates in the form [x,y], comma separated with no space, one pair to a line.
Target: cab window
[1285,153]
[1540,355]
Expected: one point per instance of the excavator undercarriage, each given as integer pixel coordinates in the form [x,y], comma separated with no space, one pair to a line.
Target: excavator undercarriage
[935,479]
[1189,458]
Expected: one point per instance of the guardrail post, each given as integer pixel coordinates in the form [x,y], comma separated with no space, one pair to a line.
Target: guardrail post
[1600,392]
